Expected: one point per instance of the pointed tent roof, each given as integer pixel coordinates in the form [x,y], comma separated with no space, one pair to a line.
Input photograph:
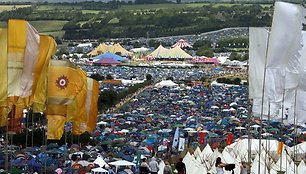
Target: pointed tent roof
[188,159]
[159,52]
[197,152]
[118,48]
[205,154]
[99,161]
[102,48]
[284,162]
[182,44]
[99,49]
[177,52]
[302,167]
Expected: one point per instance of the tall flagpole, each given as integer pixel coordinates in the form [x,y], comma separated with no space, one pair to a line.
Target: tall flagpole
[263,95]
[6,147]
[295,132]
[249,125]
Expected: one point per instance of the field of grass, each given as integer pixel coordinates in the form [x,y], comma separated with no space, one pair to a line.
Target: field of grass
[91,11]
[177,6]
[53,27]
[57,7]
[12,7]
[48,26]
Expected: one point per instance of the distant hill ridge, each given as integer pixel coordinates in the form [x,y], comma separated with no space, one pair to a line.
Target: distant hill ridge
[183,1]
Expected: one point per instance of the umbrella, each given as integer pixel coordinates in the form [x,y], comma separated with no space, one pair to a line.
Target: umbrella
[99,170]
[214,107]
[188,129]
[122,163]
[240,128]
[178,125]
[124,131]
[165,130]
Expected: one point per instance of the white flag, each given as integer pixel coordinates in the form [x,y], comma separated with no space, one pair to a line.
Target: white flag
[258,38]
[296,102]
[181,144]
[23,49]
[283,56]
[175,138]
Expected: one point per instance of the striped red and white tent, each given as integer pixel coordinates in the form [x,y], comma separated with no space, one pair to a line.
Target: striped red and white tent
[182,44]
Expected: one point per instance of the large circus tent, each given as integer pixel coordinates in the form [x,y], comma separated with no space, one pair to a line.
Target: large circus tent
[103,48]
[182,44]
[168,54]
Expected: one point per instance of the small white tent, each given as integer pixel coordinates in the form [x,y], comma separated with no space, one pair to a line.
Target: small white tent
[165,83]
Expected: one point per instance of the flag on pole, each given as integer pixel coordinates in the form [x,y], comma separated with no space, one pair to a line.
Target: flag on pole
[283,57]
[92,103]
[229,138]
[76,111]
[46,50]
[55,127]
[3,67]
[258,37]
[280,147]
[91,109]
[64,84]
[175,139]
[181,146]
[202,135]
[23,48]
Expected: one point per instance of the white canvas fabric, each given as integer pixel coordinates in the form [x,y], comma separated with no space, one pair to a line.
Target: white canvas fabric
[258,38]
[283,56]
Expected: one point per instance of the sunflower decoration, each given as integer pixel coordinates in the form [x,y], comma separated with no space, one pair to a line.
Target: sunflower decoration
[62,82]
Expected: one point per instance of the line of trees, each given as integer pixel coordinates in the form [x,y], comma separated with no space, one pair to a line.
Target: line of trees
[143,23]
[166,22]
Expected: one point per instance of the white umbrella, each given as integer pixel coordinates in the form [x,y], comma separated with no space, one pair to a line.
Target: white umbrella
[204,131]
[233,104]
[124,131]
[102,123]
[165,130]
[232,109]
[266,134]
[214,107]
[240,128]
[122,163]
[98,170]
[225,110]
[188,129]
[255,126]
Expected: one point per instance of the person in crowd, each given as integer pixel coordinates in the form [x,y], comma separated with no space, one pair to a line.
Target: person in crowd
[219,166]
[144,167]
[153,164]
[243,168]
[167,168]
[128,170]
[180,167]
